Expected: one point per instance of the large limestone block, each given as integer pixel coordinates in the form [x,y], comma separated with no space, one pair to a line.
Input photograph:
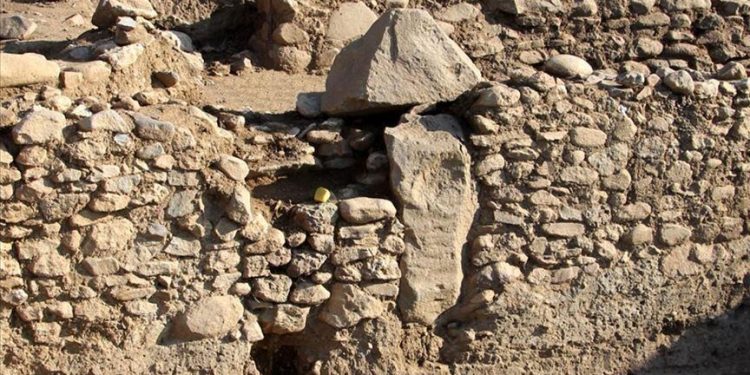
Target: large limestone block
[27,69]
[403,60]
[430,177]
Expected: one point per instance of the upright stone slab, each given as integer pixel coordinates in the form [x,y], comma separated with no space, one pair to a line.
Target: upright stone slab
[430,177]
[404,59]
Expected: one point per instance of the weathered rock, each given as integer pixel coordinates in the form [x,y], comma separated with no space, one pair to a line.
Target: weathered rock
[122,57]
[100,266]
[108,120]
[234,167]
[674,234]
[680,82]
[564,229]
[678,263]
[308,104]
[430,177]
[50,265]
[284,319]
[639,235]
[366,210]
[240,206]
[152,129]
[16,26]
[309,294]
[289,58]
[348,22]
[588,137]
[183,248]
[109,237]
[568,66]
[497,96]
[209,317]
[519,7]
[289,34]
[107,11]
[458,13]
[349,305]
[403,60]
[274,288]
[39,126]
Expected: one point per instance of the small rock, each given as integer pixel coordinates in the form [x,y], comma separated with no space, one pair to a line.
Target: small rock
[50,265]
[366,210]
[101,266]
[284,319]
[240,207]
[107,12]
[348,305]
[497,96]
[732,71]
[680,82]
[588,137]
[274,288]
[16,27]
[639,235]
[308,104]
[39,126]
[167,79]
[674,234]
[564,229]
[108,120]
[183,248]
[209,317]
[350,21]
[235,168]
[309,294]
[457,13]
[568,66]
[152,129]
[289,34]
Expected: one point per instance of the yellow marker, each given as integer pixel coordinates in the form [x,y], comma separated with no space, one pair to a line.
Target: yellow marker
[322,195]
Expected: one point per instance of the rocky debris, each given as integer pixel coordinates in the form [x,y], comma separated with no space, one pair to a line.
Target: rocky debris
[427,67]
[430,177]
[588,189]
[26,69]
[207,318]
[16,26]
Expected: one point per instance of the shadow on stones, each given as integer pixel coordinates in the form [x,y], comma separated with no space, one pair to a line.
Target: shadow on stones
[275,359]
[716,346]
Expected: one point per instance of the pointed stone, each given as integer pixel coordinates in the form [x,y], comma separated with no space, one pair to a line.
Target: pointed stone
[403,60]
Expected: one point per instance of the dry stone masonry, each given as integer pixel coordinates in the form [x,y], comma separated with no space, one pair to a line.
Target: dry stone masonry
[511,187]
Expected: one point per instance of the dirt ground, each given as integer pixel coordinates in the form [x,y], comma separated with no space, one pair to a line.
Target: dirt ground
[263,91]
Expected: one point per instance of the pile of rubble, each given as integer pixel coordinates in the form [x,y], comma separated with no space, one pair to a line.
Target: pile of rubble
[573,210]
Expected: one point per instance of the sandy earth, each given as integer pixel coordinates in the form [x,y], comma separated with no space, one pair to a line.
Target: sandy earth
[264,91]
